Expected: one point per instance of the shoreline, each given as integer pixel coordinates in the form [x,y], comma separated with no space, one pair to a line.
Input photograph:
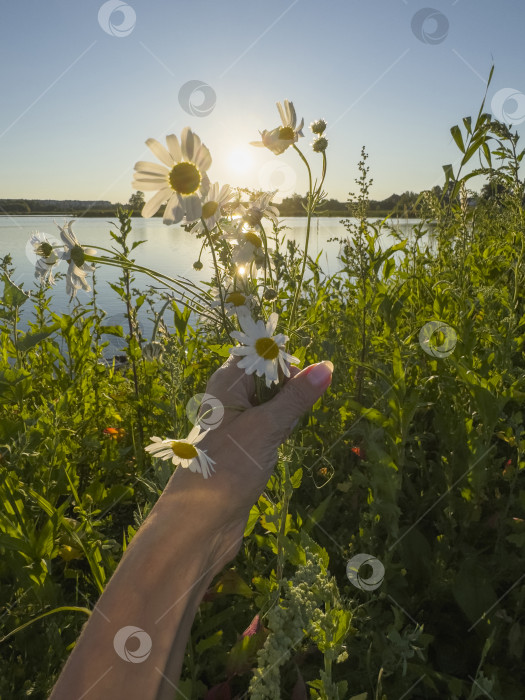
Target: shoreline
[103,215]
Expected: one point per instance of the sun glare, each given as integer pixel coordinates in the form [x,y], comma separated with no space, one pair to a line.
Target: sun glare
[240,160]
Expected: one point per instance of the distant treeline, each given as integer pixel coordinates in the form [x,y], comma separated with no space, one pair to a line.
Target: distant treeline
[403,205]
[290,206]
[51,207]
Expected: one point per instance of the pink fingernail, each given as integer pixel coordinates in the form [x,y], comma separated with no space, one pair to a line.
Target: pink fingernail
[320,374]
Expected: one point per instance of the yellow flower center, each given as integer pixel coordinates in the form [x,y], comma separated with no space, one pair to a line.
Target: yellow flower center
[286,133]
[185,178]
[209,209]
[77,255]
[267,348]
[253,238]
[236,298]
[44,250]
[183,449]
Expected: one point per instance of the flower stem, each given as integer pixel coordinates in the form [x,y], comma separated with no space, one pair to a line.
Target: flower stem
[121,260]
[216,266]
[308,223]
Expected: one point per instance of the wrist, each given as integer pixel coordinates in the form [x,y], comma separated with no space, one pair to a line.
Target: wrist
[204,510]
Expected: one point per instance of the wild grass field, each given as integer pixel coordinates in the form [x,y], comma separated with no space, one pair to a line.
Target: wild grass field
[414,457]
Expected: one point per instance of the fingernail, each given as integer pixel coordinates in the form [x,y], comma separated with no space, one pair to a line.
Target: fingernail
[320,374]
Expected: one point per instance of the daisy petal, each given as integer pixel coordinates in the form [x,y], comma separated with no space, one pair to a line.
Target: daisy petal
[194,433]
[282,114]
[241,350]
[174,147]
[272,323]
[203,158]
[149,185]
[187,143]
[144,167]
[193,207]
[161,153]
[174,210]
[153,205]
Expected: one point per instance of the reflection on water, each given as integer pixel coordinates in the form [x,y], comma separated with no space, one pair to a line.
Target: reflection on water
[167,249]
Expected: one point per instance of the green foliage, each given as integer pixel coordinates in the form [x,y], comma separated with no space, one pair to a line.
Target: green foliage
[416,459]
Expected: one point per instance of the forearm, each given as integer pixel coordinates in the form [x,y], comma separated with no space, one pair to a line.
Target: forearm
[157,587]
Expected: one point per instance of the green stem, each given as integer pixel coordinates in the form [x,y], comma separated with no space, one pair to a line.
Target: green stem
[122,261]
[282,528]
[216,266]
[312,200]
[158,276]
[267,263]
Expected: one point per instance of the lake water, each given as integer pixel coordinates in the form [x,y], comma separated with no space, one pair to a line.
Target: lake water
[168,249]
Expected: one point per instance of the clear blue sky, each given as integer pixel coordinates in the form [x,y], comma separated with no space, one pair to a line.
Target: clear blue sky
[77,103]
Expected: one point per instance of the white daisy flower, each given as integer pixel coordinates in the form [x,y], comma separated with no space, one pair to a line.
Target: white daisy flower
[280,138]
[235,302]
[75,254]
[262,351]
[47,257]
[213,206]
[247,249]
[181,181]
[259,208]
[184,452]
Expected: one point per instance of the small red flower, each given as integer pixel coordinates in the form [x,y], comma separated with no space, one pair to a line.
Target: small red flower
[359,452]
[114,433]
[111,433]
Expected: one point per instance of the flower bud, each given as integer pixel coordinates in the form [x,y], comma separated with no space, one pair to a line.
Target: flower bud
[269,294]
[320,144]
[197,265]
[318,126]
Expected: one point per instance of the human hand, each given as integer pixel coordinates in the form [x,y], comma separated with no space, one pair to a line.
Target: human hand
[244,446]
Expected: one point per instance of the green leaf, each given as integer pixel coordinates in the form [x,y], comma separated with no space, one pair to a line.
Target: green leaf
[467,121]
[118,493]
[296,478]
[473,591]
[458,138]
[317,515]
[252,519]
[13,295]
[300,354]
[449,172]
[29,340]
[221,350]
[112,330]
[118,290]
[230,583]
[9,429]
[209,642]
[45,540]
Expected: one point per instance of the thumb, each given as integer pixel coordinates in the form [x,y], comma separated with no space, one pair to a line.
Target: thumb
[299,395]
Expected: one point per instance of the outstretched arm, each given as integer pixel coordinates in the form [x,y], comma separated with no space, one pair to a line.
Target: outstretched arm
[133,645]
